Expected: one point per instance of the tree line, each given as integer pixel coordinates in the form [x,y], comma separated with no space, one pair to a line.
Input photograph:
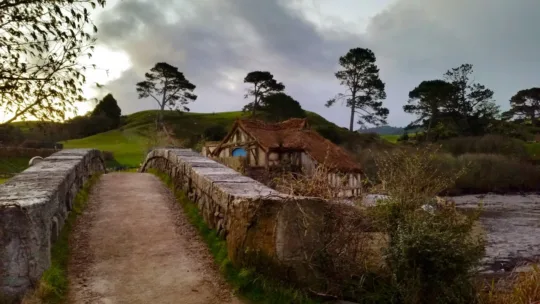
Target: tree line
[41,76]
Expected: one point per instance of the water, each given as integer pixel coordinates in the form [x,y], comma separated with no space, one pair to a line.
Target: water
[511,224]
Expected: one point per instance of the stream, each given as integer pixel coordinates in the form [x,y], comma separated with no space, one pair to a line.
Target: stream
[512,227]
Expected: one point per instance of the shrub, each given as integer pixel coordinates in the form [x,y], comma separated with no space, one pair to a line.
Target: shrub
[525,289]
[422,267]
[495,173]
[489,144]
[215,133]
[480,173]
[330,133]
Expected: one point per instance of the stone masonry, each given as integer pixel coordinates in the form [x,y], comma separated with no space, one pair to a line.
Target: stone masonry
[277,234]
[33,207]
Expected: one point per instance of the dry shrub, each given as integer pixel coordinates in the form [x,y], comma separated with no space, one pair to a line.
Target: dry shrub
[476,173]
[350,253]
[413,177]
[496,173]
[238,164]
[488,144]
[315,184]
[163,137]
[349,257]
[525,289]
[423,268]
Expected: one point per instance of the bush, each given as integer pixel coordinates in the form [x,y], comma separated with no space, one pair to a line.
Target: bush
[215,133]
[495,173]
[422,267]
[480,173]
[330,133]
[525,289]
[489,144]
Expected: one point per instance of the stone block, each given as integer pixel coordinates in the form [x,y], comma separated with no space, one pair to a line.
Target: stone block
[33,207]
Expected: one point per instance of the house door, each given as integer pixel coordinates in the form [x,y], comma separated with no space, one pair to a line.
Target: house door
[239,152]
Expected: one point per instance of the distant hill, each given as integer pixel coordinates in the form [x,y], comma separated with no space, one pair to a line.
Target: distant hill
[131,141]
[388,130]
[384,130]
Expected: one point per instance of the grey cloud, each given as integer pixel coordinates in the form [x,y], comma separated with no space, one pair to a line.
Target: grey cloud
[216,42]
[424,38]
[219,42]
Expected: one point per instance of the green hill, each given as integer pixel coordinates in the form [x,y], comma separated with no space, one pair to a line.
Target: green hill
[130,143]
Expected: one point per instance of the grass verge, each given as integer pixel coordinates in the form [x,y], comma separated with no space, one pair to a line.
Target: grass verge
[250,285]
[53,285]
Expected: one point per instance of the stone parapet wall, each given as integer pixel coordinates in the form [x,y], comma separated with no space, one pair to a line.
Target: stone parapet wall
[277,234]
[33,208]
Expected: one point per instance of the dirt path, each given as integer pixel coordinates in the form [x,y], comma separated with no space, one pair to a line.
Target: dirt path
[133,245]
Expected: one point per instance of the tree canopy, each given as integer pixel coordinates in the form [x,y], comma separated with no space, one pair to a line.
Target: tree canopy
[427,101]
[41,47]
[471,108]
[454,106]
[365,90]
[168,87]
[108,107]
[280,106]
[525,104]
[263,84]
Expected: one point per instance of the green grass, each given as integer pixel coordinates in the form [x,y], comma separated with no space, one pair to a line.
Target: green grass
[533,149]
[249,284]
[13,165]
[53,285]
[10,166]
[391,138]
[128,146]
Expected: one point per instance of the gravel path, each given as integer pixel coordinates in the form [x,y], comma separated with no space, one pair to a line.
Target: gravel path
[133,245]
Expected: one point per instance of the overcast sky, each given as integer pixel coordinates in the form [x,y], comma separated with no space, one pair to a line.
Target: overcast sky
[215,43]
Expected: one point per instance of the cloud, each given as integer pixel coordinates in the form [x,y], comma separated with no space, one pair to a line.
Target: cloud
[217,42]
[421,39]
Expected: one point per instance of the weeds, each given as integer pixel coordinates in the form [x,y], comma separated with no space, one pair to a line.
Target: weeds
[432,251]
[52,288]
[525,289]
[245,281]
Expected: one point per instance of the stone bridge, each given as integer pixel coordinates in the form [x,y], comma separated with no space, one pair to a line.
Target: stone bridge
[33,207]
[130,227]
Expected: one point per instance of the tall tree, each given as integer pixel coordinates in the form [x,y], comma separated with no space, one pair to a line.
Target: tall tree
[41,46]
[263,85]
[427,101]
[365,90]
[526,105]
[280,106]
[108,107]
[168,87]
[471,107]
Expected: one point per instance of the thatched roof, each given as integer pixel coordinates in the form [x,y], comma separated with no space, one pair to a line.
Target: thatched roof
[295,135]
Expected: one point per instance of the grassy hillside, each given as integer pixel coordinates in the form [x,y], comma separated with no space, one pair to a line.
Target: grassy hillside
[130,143]
[10,166]
[391,138]
[128,146]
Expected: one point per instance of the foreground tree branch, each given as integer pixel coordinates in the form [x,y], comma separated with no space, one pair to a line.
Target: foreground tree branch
[42,43]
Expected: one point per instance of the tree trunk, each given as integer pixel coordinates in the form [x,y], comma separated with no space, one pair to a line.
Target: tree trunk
[162,105]
[429,128]
[160,116]
[353,104]
[254,107]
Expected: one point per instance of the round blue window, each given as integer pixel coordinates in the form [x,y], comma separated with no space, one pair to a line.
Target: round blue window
[239,152]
